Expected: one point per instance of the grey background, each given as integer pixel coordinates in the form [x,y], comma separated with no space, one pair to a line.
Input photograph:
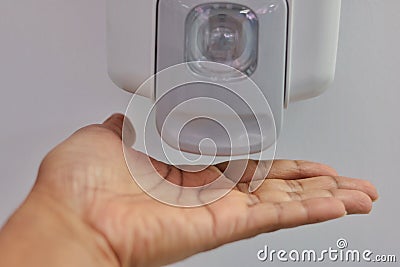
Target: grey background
[53,80]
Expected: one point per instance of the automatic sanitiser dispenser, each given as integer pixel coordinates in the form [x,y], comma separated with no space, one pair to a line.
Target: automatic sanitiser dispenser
[216,76]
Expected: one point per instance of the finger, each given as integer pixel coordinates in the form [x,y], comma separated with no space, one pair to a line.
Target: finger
[282,169]
[115,123]
[355,202]
[267,217]
[185,178]
[329,182]
[332,182]
[202,178]
[299,169]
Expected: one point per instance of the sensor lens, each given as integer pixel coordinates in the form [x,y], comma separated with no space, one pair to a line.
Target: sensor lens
[223,33]
[222,39]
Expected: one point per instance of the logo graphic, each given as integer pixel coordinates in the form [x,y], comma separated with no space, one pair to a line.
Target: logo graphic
[190,126]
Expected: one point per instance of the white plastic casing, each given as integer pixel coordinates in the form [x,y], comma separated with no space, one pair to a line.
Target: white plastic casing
[312,47]
[311,52]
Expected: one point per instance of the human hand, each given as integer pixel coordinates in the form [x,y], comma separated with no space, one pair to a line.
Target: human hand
[87,180]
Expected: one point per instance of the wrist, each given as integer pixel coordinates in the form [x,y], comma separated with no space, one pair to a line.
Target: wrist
[44,232]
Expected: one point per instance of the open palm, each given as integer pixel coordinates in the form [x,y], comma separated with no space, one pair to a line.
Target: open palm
[88,175]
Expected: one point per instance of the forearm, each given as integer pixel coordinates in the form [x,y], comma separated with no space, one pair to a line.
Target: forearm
[42,233]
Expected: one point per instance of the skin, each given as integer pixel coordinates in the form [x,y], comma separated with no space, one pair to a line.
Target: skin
[86,210]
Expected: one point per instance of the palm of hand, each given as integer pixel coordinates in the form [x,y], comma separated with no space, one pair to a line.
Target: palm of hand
[93,180]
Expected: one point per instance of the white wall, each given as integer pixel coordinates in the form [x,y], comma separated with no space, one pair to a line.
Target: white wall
[53,80]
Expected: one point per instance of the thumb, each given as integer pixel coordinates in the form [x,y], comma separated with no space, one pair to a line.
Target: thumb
[122,127]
